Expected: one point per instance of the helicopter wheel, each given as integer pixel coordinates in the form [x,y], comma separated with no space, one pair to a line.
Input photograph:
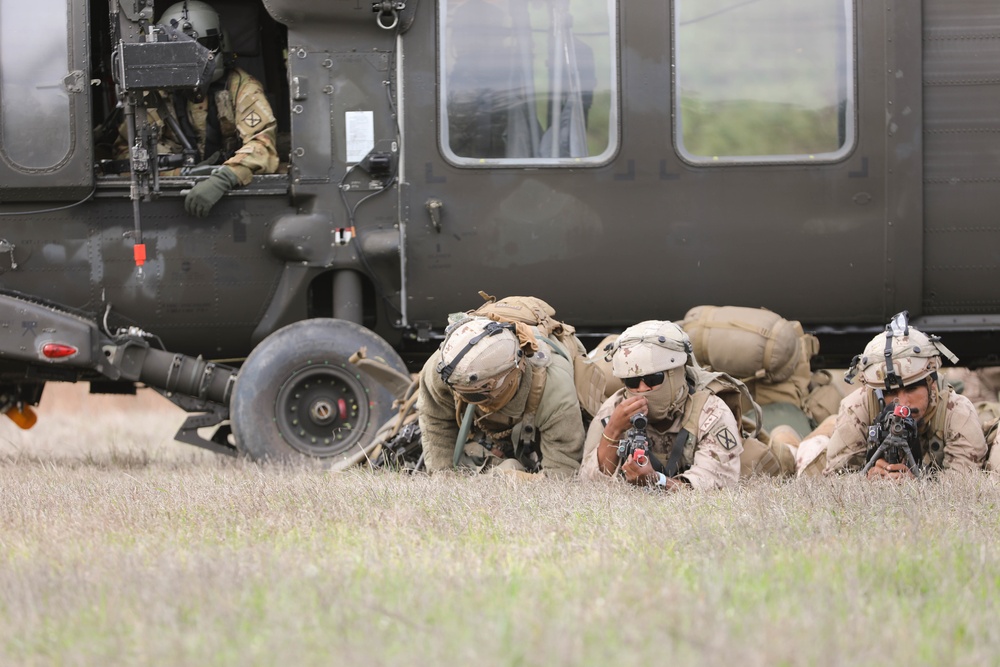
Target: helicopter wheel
[297,395]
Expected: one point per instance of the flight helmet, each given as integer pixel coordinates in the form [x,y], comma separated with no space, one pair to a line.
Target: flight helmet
[200,21]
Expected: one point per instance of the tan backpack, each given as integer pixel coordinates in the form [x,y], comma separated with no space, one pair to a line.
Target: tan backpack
[746,343]
[827,389]
[533,312]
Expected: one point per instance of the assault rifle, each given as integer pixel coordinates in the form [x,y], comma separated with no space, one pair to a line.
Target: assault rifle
[635,443]
[893,437]
[403,451]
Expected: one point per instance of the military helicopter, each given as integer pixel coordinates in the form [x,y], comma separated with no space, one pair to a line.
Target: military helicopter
[832,161]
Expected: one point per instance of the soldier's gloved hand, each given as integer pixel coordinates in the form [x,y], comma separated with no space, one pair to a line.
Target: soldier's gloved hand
[204,195]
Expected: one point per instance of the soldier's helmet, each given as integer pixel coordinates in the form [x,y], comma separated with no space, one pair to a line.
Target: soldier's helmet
[481,360]
[898,357]
[650,347]
[200,21]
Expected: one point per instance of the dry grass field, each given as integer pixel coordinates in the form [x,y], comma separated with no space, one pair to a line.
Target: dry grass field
[121,547]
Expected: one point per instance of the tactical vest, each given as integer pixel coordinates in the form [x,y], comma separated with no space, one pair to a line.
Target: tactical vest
[529,436]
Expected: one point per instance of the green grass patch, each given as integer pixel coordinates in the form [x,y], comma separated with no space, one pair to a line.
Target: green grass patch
[230,564]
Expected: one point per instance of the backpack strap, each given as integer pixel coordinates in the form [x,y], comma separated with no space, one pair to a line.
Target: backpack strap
[692,411]
[556,347]
[538,376]
[936,435]
[734,393]
[689,427]
[677,453]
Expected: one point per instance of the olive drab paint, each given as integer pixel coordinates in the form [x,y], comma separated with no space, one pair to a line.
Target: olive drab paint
[432,150]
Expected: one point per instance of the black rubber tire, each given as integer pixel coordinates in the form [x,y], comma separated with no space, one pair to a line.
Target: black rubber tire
[297,395]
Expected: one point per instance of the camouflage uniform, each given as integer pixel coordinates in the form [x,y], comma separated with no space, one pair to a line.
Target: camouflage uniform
[558,422]
[964,444]
[246,122]
[710,462]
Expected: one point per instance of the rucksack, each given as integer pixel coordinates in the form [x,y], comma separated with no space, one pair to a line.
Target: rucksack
[744,342]
[536,313]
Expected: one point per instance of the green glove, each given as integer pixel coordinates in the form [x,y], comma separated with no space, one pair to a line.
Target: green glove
[204,195]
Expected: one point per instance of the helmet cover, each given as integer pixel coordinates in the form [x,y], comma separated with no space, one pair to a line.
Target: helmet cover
[649,347]
[477,354]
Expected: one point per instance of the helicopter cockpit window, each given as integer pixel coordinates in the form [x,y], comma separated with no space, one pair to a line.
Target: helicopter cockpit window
[764,81]
[34,80]
[528,82]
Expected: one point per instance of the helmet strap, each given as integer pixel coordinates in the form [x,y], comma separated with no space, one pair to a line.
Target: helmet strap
[880,396]
[892,379]
[898,326]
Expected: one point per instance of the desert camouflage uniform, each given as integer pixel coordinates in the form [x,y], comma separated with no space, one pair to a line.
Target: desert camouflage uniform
[246,122]
[964,444]
[710,462]
[558,421]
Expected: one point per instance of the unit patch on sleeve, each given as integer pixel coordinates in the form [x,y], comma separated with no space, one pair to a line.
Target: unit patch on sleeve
[726,438]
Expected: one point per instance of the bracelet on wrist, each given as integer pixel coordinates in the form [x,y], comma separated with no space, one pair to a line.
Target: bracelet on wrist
[611,440]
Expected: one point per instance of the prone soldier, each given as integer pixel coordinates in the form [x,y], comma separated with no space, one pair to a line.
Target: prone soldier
[654,361]
[513,394]
[900,367]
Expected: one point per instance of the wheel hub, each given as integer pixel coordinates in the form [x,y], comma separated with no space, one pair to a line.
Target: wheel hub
[322,410]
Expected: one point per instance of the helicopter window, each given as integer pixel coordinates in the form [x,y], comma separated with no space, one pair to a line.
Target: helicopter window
[767,80]
[528,82]
[34,80]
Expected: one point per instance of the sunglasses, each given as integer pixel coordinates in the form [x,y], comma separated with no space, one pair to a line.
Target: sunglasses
[651,380]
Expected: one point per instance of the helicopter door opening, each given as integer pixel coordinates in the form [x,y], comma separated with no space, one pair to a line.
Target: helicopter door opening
[254,43]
